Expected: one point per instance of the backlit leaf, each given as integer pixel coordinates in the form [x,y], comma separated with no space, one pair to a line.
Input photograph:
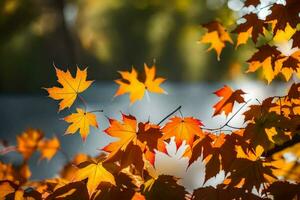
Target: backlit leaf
[71,87]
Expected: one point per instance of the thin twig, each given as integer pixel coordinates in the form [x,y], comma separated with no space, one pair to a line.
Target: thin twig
[234,127]
[258,101]
[161,121]
[226,124]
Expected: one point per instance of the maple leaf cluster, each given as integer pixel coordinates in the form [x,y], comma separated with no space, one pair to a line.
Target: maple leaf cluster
[260,160]
[271,54]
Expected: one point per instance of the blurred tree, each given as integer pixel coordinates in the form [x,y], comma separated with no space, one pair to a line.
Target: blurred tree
[107,36]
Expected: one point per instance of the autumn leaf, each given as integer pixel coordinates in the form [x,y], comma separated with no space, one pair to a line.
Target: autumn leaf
[229,97]
[289,60]
[125,189]
[253,27]
[130,84]
[18,174]
[126,132]
[221,192]
[266,57]
[222,154]
[11,190]
[285,14]
[249,170]
[290,65]
[288,107]
[254,3]
[132,156]
[294,91]
[287,166]
[201,147]
[74,190]
[265,127]
[27,142]
[284,190]
[23,173]
[7,172]
[183,128]
[138,196]
[81,120]
[7,187]
[216,36]
[48,147]
[152,84]
[296,39]
[95,173]
[139,135]
[171,190]
[218,152]
[67,173]
[137,88]
[71,87]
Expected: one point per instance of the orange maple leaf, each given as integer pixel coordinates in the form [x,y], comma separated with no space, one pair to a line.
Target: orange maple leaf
[228,98]
[81,120]
[131,134]
[183,129]
[136,88]
[71,87]
[27,142]
[216,36]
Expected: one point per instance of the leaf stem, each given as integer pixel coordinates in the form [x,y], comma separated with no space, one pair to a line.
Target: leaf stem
[82,100]
[93,111]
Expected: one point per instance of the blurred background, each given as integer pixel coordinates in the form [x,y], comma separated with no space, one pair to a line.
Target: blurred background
[110,35]
[107,36]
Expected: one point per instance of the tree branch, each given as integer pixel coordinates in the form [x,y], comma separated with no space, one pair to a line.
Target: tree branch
[278,148]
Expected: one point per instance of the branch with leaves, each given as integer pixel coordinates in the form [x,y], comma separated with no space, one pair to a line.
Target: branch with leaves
[261,156]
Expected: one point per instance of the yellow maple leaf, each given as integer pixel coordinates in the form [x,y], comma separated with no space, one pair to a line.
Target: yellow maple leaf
[152,84]
[131,85]
[283,36]
[71,87]
[81,120]
[270,68]
[286,163]
[48,147]
[135,88]
[95,173]
[243,37]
